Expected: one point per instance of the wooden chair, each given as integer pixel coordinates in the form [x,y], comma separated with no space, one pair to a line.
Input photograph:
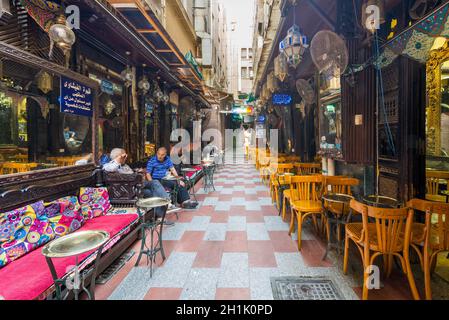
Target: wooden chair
[340,185]
[430,238]
[305,192]
[307,168]
[433,184]
[14,167]
[389,235]
[274,183]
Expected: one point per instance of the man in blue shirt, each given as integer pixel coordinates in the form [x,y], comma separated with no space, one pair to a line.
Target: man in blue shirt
[158,168]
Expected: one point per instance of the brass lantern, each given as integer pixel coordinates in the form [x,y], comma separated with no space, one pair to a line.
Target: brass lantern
[61,35]
[280,67]
[45,82]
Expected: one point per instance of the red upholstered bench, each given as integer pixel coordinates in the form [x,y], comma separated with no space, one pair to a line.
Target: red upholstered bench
[29,277]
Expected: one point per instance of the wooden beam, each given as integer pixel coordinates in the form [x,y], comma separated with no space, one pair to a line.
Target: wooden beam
[321,13]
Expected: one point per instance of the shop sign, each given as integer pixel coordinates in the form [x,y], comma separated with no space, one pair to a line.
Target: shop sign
[107,87]
[281,99]
[76,98]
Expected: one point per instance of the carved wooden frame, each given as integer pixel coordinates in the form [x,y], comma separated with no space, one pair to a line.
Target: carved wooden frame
[433,110]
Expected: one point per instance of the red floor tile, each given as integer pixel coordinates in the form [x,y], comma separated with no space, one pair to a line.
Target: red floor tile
[163,294]
[269,211]
[261,254]
[225,197]
[184,217]
[233,294]
[237,211]
[236,241]
[219,218]
[254,217]
[209,255]
[312,252]
[209,210]
[190,241]
[282,242]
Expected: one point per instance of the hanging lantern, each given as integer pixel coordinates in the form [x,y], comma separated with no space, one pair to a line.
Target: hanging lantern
[280,67]
[295,44]
[109,107]
[165,99]
[127,76]
[45,82]
[372,20]
[144,85]
[157,94]
[61,35]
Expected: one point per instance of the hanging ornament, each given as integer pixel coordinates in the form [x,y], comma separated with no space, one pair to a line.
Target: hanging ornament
[127,76]
[109,107]
[165,99]
[280,67]
[295,45]
[144,85]
[61,35]
[157,94]
[45,82]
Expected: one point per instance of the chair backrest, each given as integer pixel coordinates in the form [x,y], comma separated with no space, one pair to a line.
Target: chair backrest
[307,168]
[392,228]
[437,222]
[340,185]
[433,179]
[306,187]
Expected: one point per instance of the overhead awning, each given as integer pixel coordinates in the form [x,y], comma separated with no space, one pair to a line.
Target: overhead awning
[417,41]
[147,25]
[215,96]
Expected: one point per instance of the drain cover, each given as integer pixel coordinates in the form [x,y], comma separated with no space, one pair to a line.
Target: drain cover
[115,267]
[304,288]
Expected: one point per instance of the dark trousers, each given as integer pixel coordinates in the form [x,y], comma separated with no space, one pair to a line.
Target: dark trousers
[183,194]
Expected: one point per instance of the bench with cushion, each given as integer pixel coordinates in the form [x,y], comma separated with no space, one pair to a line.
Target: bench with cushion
[39,207]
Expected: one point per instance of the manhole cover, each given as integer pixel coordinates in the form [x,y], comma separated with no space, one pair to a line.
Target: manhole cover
[304,288]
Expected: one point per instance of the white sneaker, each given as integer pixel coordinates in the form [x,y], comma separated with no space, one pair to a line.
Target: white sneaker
[171,206]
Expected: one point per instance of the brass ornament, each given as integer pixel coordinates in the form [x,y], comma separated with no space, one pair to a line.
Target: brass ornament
[45,82]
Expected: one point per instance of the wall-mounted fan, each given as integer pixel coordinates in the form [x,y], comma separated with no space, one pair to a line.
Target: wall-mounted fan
[305,91]
[329,53]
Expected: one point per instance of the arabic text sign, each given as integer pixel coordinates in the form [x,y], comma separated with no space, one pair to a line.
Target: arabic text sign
[76,98]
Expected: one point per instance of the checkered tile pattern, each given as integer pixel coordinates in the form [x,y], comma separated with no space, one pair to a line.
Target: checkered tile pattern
[229,249]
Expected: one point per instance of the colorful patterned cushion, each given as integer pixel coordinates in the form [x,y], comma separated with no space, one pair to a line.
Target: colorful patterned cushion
[97,199]
[70,217]
[87,212]
[24,230]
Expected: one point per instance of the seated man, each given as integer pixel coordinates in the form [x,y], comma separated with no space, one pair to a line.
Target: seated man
[151,188]
[158,167]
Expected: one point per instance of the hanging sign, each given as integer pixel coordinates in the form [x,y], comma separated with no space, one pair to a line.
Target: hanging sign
[76,98]
[107,87]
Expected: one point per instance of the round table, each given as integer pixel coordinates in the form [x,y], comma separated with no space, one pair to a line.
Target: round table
[336,219]
[209,169]
[381,202]
[71,245]
[145,206]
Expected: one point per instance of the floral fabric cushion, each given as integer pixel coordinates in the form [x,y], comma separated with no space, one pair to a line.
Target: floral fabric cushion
[97,199]
[23,230]
[70,217]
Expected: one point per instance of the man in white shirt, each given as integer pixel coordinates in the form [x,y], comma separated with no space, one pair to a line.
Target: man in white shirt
[151,188]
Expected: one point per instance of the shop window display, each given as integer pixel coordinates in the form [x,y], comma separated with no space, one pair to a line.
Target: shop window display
[35,133]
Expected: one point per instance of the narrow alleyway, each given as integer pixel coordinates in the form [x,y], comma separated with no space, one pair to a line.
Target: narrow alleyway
[231,247]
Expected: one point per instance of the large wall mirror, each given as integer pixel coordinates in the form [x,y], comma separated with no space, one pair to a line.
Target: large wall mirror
[34,133]
[437,125]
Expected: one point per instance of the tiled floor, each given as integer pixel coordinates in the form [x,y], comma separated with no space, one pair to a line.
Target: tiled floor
[231,246]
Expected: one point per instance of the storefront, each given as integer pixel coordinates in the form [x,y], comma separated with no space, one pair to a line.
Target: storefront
[46,114]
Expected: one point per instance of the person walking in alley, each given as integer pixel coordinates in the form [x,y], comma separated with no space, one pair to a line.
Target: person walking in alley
[157,169]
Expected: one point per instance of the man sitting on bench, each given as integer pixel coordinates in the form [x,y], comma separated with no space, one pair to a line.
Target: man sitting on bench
[157,169]
[151,188]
